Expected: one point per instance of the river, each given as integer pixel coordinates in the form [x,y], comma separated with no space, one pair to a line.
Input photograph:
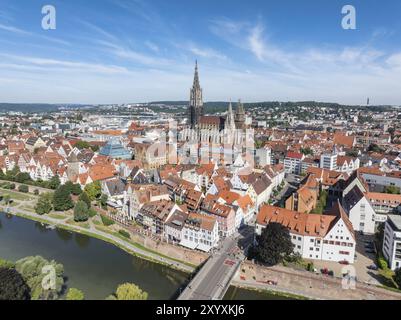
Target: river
[94,266]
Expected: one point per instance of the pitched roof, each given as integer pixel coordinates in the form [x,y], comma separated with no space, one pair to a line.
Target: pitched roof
[296,222]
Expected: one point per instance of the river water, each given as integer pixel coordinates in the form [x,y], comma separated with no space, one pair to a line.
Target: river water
[94,266]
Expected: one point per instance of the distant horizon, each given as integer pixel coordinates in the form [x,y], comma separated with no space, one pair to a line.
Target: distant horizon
[187,101]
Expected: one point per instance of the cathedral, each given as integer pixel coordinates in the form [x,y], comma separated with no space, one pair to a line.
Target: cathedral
[229,129]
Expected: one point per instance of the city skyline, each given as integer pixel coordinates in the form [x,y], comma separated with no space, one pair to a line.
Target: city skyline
[137,51]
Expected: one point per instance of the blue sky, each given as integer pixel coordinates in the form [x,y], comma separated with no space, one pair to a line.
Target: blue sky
[121,51]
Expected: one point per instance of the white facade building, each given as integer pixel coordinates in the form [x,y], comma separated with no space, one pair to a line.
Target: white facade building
[328,161]
[317,237]
[392,241]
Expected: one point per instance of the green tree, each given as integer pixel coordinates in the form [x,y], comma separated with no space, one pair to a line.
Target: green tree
[69,185]
[375,148]
[75,294]
[82,145]
[12,174]
[85,198]
[32,270]
[23,188]
[81,211]
[274,244]
[6,264]
[392,190]
[93,190]
[62,199]
[54,182]
[44,204]
[130,291]
[23,177]
[76,189]
[103,201]
[13,286]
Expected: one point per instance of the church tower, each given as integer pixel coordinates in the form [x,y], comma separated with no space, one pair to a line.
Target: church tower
[240,116]
[230,120]
[195,110]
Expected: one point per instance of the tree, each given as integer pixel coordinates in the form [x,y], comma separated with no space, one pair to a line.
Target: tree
[6,264]
[392,190]
[130,291]
[82,145]
[12,174]
[375,148]
[69,185]
[13,285]
[62,199]
[75,294]
[93,190]
[84,197]
[23,188]
[76,189]
[81,211]
[54,182]
[44,278]
[274,244]
[103,201]
[44,204]
[23,177]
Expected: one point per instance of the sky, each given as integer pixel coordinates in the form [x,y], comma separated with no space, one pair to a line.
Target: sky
[125,51]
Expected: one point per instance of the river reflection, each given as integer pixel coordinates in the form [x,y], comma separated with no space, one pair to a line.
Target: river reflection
[92,265]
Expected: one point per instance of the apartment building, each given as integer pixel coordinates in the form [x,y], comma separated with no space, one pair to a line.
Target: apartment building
[392,241]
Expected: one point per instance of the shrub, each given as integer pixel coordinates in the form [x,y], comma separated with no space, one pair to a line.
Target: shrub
[12,186]
[81,212]
[75,294]
[44,204]
[6,264]
[13,286]
[107,221]
[6,185]
[36,192]
[84,197]
[382,263]
[92,212]
[23,188]
[124,233]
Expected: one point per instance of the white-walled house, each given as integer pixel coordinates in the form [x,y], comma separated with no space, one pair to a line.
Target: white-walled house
[318,237]
[360,211]
[392,241]
[200,232]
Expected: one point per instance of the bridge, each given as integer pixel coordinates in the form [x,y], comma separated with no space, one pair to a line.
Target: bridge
[214,279]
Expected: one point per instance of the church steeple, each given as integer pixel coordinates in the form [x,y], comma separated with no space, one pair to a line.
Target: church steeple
[196,76]
[195,110]
[240,116]
[230,121]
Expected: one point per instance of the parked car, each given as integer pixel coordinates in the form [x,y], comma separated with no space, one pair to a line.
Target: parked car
[372,267]
[345,262]
[370,251]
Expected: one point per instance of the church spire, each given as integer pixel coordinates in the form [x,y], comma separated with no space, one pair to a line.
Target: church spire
[196,84]
[196,100]
[230,121]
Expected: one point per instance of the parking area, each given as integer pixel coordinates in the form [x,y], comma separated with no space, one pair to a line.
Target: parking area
[365,257]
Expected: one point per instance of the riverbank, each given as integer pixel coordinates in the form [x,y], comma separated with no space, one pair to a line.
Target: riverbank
[131,248]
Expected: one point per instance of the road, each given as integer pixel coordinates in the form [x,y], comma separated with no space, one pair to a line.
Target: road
[213,280]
